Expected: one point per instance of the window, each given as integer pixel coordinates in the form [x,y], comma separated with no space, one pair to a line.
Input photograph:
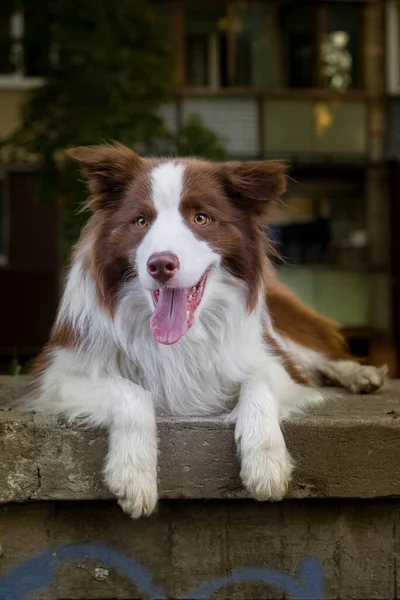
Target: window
[226,43]
[323,220]
[36,50]
[340,47]
[322,234]
[6,65]
[251,44]
[4,225]
[272,45]
[24,56]
[297,45]
[206,43]
[315,128]
[320,45]
[393,46]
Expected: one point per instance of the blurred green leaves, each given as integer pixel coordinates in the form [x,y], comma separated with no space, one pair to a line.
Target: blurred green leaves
[107,68]
[194,139]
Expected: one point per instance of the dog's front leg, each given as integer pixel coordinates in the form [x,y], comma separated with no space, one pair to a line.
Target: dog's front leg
[266,465]
[131,464]
[127,411]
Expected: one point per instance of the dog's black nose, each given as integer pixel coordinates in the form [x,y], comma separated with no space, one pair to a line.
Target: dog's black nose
[162,266]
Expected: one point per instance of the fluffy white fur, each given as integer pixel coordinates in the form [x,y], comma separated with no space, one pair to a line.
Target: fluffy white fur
[120,376]
[356,378]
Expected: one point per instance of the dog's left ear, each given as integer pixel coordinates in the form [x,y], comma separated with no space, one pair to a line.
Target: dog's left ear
[253,185]
[108,170]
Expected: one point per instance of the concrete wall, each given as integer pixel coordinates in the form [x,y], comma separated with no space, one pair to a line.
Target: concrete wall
[353,546]
[335,537]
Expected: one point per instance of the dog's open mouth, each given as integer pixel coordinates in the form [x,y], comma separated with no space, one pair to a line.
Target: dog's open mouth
[174,311]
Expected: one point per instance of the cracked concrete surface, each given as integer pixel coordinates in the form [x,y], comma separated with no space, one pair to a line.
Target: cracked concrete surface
[347,448]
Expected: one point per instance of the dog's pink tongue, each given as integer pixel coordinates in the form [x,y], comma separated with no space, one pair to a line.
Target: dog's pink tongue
[169,321]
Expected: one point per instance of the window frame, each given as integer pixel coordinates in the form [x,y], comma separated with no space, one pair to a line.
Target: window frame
[5,223]
[392,18]
[184,89]
[18,80]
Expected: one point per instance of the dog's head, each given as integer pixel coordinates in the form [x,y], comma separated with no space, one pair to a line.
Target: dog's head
[170,224]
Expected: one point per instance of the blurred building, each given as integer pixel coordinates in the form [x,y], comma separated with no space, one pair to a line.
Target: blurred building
[29,233]
[306,81]
[311,82]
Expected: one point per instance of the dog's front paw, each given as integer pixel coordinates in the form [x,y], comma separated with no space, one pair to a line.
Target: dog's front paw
[366,379]
[135,489]
[266,472]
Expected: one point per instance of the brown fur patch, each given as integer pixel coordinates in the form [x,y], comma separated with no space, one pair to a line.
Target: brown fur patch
[61,336]
[232,196]
[253,185]
[121,193]
[302,324]
[108,170]
[40,363]
[64,336]
[294,371]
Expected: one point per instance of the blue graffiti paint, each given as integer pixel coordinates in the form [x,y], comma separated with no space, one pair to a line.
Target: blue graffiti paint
[310,586]
[38,572]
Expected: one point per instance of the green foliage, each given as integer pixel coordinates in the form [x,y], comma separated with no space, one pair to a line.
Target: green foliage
[111,70]
[194,139]
[15,367]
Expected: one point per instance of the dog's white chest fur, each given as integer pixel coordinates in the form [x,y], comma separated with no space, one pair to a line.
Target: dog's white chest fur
[202,373]
[187,382]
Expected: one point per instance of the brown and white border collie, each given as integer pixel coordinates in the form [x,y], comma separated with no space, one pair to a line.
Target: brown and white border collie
[171,304]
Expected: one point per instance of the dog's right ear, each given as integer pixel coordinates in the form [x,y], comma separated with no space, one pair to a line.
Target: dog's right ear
[108,170]
[252,186]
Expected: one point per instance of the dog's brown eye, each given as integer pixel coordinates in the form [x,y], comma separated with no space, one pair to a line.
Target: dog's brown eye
[201,219]
[141,222]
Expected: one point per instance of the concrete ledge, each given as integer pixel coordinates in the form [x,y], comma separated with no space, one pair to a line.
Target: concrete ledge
[347,448]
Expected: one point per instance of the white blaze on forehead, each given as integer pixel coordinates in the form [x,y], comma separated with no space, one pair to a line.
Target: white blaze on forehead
[170,233]
[167,183]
